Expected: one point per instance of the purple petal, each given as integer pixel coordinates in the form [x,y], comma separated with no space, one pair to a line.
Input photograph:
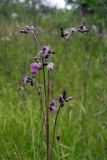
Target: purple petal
[34,71]
[61,101]
[45,48]
[53,109]
[36,66]
[25,79]
[53,103]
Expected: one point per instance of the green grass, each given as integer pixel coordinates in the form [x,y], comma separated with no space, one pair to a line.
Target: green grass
[82,124]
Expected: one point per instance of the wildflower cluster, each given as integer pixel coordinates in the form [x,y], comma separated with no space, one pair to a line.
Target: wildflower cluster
[60,101]
[42,61]
[28,29]
[70,31]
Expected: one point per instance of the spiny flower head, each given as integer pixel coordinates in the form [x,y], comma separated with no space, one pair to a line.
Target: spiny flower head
[70,31]
[52,106]
[83,28]
[53,109]
[28,29]
[35,67]
[60,100]
[46,51]
[27,79]
[53,103]
[64,98]
[67,33]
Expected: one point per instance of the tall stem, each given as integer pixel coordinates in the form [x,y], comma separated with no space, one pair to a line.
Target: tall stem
[54,129]
[42,121]
[48,98]
[48,95]
[47,113]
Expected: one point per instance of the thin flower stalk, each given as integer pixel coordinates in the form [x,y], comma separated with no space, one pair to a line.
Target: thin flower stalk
[35,37]
[67,35]
[60,59]
[42,122]
[54,129]
[47,113]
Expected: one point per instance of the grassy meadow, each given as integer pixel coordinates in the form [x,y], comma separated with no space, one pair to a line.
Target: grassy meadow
[82,124]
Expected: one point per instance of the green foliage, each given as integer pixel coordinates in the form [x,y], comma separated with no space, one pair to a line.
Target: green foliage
[8,9]
[98,8]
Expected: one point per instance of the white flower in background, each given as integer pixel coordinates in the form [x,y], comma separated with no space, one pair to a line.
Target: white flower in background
[14,15]
[6,39]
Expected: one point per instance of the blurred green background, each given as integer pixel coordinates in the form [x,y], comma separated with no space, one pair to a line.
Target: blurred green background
[82,124]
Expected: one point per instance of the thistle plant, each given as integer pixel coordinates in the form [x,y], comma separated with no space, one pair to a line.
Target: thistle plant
[43,65]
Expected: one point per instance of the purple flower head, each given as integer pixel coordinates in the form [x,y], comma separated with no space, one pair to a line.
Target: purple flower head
[46,51]
[64,98]
[35,67]
[33,71]
[52,106]
[53,103]
[68,32]
[26,80]
[83,28]
[61,101]
[28,29]
[52,109]
[72,30]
